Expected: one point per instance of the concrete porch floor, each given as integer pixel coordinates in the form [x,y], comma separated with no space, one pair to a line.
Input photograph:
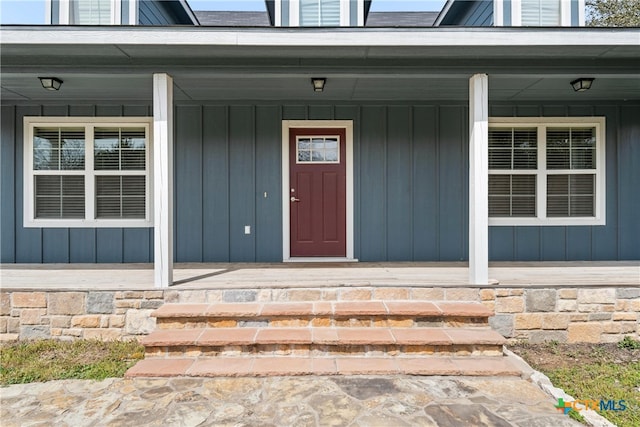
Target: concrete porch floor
[313,275]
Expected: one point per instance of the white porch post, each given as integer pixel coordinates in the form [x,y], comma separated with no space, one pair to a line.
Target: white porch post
[163,179]
[479,179]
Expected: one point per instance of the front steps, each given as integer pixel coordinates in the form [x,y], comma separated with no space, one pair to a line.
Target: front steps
[323,338]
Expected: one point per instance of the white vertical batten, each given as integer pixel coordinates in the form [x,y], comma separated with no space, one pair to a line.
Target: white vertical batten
[294,13]
[516,13]
[163,179]
[581,13]
[48,4]
[498,13]
[64,12]
[479,179]
[116,13]
[345,13]
[278,13]
[565,14]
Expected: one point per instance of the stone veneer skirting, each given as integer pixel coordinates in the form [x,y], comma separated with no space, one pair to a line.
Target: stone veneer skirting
[604,314]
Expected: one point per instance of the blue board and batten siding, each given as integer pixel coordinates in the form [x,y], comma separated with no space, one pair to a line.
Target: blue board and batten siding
[480,14]
[152,12]
[59,245]
[470,13]
[411,186]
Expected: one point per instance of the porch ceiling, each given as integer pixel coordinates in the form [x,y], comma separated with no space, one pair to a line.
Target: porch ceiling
[97,64]
[90,88]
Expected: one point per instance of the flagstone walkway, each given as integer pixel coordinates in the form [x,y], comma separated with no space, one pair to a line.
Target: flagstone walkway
[385,401]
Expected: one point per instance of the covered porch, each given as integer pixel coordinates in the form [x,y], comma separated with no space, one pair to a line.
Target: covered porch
[344,276]
[411,202]
[565,302]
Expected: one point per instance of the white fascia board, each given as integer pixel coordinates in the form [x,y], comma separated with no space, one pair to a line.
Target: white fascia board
[495,37]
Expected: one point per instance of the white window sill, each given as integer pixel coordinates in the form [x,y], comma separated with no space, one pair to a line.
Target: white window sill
[75,223]
[547,222]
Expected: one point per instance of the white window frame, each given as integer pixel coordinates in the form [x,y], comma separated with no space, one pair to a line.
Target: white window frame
[65,12]
[565,13]
[345,13]
[542,123]
[89,221]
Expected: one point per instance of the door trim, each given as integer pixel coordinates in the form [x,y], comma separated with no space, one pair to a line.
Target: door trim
[347,125]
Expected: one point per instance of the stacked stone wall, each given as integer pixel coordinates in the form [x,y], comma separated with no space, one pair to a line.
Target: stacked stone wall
[68,315]
[604,314]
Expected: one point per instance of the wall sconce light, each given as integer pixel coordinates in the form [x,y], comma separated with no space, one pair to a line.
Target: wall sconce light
[318,83]
[582,84]
[50,83]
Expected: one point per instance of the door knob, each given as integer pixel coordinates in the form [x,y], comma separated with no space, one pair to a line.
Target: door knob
[293,199]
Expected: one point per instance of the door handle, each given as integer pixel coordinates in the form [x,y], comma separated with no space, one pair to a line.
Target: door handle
[293,199]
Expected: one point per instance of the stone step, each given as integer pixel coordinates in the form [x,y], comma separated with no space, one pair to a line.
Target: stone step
[322,314]
[323,338]
[291,365]
[322,341]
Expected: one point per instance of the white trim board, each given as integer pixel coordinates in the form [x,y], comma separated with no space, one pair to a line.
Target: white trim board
[311,37]
[347,125]
[319,259]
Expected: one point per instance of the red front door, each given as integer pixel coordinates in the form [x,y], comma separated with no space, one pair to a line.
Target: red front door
[317,169]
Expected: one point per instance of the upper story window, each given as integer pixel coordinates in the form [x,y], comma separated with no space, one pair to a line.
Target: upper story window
[89,172]
[91,12]
[539,13]
[546,171]
[319,13]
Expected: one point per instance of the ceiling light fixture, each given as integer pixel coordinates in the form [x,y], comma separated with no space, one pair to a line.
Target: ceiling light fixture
[50,83]
[582,84]
[318,83]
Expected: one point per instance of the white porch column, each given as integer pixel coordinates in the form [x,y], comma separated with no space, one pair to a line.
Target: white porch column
[479,179]
[163,179]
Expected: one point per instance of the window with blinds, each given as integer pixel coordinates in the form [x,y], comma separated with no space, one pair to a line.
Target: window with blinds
[570,150]
[546,172]
[58,149]
[541,13]
[317,13]
[93,174]
[513,193]
[118,151]
[90,12]
[58,163]
[120,196]
[59,196]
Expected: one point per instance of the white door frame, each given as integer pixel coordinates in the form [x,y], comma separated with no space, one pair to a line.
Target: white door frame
[347,125]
